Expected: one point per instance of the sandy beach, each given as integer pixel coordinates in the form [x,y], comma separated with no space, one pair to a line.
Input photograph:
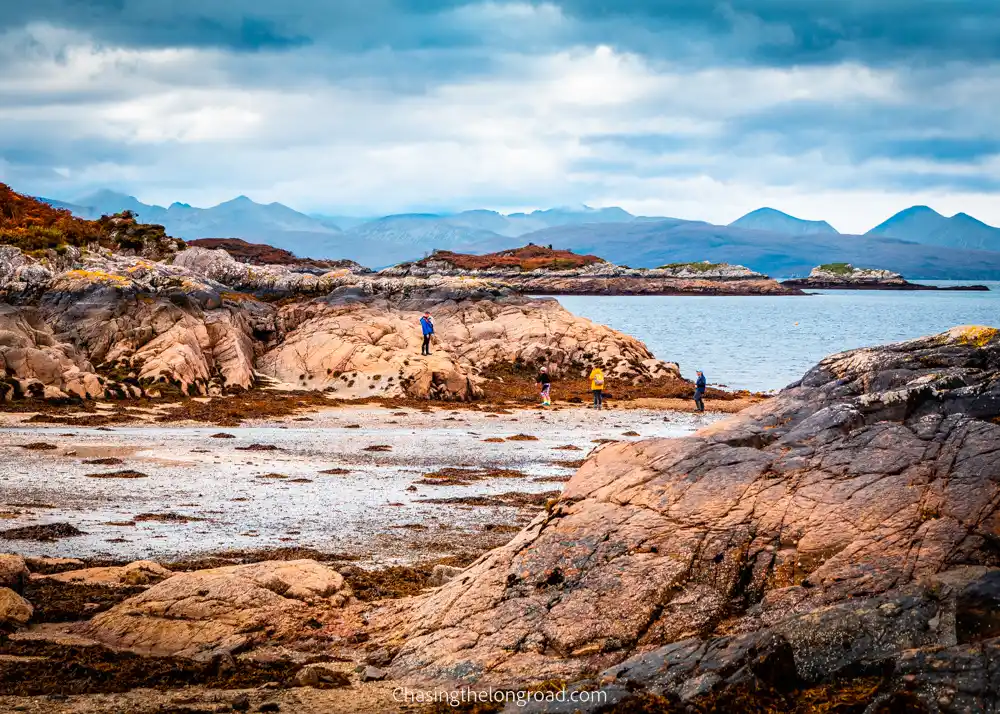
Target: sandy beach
[400,484]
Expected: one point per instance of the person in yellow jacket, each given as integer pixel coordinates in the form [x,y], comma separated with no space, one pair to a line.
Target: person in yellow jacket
[597,387]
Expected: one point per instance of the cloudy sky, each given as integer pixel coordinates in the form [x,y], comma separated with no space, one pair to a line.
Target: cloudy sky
[846,110]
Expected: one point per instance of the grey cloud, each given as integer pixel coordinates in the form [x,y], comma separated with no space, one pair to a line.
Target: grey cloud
[403,50]
[778,32]
[791,31]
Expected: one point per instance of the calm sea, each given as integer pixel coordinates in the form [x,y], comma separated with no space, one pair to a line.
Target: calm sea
[764,343]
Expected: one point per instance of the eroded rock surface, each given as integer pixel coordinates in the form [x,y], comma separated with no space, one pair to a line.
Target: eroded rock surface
[141,572]
[13,572]
[97,324]
[15,611]
[841,518]
[224,610]
[367,347]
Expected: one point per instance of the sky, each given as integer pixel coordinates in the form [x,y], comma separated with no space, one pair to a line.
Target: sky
[842,110]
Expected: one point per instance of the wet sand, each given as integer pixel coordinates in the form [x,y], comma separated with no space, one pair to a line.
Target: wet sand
[192,494]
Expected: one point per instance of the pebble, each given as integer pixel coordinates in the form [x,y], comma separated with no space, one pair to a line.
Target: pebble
[373,674]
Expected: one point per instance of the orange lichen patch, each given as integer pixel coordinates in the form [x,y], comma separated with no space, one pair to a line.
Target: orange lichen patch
[97,276]
[238,297]
[530,257]
[977,335]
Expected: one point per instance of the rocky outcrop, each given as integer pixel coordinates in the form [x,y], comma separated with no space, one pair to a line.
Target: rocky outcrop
[844,276]
[15,611]
[151,326]
[840,525]
[118,326]
[105,325]
[262,254]
[13,572]
[220,266]
[564,273]
[206,613]
[369,347]
[36,363]
[141,572]
[644,285]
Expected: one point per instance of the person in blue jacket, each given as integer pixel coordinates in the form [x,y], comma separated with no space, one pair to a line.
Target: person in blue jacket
[699,392]
[427,326]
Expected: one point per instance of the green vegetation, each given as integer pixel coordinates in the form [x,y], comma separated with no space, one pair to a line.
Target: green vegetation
[837,268]
[702,267]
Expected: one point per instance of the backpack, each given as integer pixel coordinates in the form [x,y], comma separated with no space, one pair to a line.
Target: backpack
[599,380]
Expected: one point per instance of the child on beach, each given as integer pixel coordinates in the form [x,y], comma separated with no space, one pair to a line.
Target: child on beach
[597,387]
[545,382]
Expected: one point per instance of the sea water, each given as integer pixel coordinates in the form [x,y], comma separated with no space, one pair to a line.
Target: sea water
[765,343]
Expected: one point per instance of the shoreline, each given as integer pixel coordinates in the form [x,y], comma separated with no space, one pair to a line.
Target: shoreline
[351,480]
[909,287]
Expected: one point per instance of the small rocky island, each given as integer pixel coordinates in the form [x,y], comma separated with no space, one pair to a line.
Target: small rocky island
[844,276]
[541,270]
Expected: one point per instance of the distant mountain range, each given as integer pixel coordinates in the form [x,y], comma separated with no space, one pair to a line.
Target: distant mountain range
[274,223]
[647,244]
[766,239]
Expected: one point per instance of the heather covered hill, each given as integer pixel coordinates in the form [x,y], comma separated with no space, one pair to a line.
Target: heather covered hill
[528,258]
[274,223]
[262,254]
[32,225]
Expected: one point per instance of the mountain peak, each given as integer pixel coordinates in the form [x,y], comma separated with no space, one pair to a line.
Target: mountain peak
[775,221]
[103,195]
[917,211]
[921,224]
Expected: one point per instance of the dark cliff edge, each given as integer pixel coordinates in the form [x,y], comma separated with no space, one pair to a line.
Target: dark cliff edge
[807,284]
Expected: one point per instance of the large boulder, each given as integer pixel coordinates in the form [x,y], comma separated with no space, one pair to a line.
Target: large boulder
[871,484]
[371,346]
[15,611]
[141,572]
[13,572]
[205,613]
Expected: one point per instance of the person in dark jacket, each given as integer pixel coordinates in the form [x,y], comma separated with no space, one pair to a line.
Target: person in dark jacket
[545,382]
[427,326]
[699,392]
